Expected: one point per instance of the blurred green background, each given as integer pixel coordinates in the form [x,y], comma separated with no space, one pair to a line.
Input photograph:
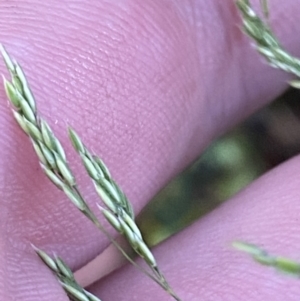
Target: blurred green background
[266,139]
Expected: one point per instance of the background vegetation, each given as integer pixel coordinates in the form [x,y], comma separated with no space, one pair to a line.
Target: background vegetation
[265,140]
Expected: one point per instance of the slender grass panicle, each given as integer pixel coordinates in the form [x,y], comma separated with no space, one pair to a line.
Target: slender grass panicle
[282,264]
[53,161]
[266,42]
[117,209]
[65,277]
[269,47]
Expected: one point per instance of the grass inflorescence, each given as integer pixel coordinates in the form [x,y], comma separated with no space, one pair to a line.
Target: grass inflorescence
[266,42]
[268,46]
[53,161]
[280,263]
[117,209]
[65,277]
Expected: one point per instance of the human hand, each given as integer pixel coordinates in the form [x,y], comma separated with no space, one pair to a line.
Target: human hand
[148,86]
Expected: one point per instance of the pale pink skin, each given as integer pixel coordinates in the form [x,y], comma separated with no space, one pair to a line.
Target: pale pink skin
[147,84]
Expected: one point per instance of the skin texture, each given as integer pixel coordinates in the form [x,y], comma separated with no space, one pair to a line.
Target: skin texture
[147,84]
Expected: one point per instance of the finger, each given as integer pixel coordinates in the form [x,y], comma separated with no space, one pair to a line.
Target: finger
[200,262]
[138,82]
